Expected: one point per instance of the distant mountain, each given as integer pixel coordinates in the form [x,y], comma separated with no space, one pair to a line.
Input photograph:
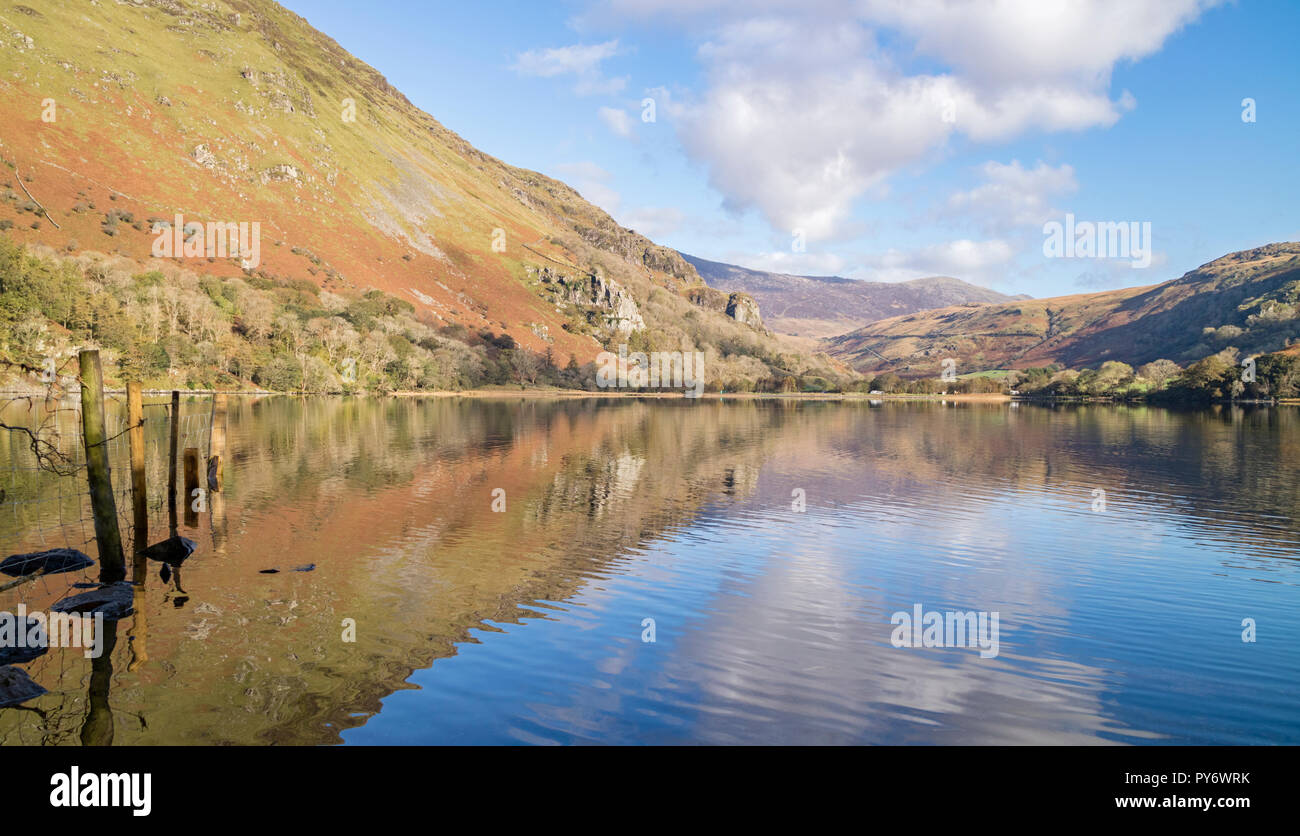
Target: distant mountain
[823,306]
[1248,300]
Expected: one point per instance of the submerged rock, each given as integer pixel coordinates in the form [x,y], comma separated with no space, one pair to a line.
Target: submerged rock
[173,550]
[11,629]
[53,562]
[17,687]
[114,600]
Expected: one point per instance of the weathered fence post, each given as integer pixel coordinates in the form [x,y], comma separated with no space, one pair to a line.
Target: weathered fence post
[135,420]
[216,455]
[112,562]
[97,729]
[191,485]
[216,441]
[171,461]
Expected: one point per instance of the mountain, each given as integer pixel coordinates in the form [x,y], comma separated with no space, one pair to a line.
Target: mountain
[1249,300]
[823,306]
[120,116]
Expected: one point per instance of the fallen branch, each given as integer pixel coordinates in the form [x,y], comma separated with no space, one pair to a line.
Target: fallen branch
[19,178]
[24,579]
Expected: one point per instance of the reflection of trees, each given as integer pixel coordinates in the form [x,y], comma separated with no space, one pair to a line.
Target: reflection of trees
[1226,468]
[392,499]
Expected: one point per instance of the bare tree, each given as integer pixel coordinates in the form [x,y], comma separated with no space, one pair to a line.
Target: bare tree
[527,366]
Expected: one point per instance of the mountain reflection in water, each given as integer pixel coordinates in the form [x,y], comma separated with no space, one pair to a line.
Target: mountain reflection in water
[771,625]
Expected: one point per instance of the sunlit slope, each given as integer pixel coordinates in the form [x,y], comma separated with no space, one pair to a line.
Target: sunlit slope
[114,114]
[1250,300]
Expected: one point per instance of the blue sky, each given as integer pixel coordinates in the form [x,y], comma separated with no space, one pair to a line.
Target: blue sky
[890,139]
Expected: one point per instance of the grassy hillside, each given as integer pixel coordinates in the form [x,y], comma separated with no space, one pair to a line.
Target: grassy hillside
[1248,300]
[117,116]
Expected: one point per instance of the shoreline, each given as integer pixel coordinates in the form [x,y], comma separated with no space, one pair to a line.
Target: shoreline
[541,394]
[71,393]
[790,396]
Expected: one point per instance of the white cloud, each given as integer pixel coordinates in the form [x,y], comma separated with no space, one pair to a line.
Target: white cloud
[1014,43]
[981,262]
[592,182]
[653,222]
[805,111]
[1013,196]
[583,61]
[664,102]
[790,263]
[575,60]
[618,121]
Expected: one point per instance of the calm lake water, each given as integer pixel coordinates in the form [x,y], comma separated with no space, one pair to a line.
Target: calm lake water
[771,625]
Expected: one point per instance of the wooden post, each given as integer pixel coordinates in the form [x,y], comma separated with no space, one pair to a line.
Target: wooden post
[140,564]
[97,728]
[216,441]
[112,563]
[191,485]
[216,453]
[135,420]
[171,461]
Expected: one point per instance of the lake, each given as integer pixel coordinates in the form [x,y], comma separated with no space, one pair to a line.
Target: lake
[538,571]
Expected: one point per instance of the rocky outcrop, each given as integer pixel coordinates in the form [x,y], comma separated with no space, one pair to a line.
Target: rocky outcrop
[739,306]
[595,227]
[593,292]
[742,308]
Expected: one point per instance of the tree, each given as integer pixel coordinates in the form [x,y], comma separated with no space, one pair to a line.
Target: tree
[1110,379]
[1159,372]
[887,382]
[1278,376]
[526,365]
[290,333]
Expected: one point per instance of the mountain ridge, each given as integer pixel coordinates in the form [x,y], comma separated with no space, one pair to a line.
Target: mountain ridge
[1249,300]
[799,305]
[239,111]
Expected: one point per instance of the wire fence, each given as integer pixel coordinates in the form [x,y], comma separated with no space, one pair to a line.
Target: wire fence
[47,502]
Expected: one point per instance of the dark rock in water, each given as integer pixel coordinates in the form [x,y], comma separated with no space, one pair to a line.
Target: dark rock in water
[17,687]
[306,567]
[21,655]
[13,633]
[114,600]
[53,562]
[173,550]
